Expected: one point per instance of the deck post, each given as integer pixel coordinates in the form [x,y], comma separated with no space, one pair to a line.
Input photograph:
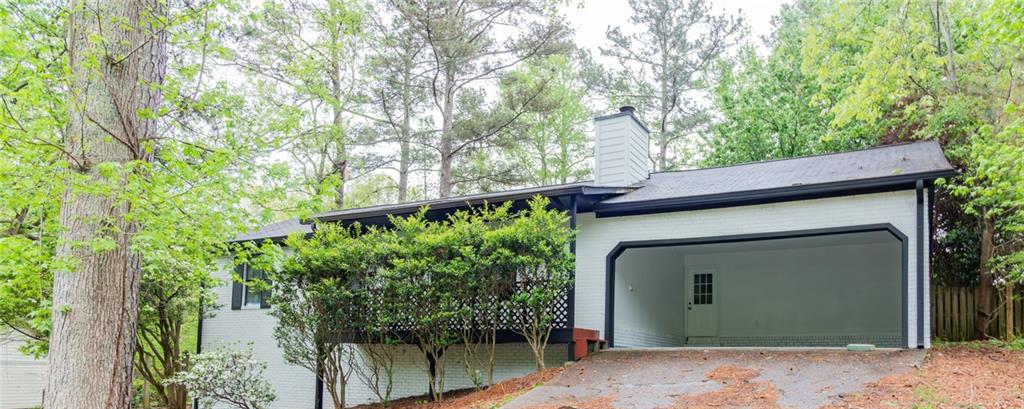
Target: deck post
[571,302]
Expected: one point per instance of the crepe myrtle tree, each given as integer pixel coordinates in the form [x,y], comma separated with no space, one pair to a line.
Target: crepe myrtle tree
[426,266]
[319,295]
[520,259]
[484,296]
[534,246]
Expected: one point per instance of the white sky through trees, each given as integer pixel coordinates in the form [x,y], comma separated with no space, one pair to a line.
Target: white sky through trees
[591,18]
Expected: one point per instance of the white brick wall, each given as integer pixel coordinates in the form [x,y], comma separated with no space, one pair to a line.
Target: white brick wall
[22,378]
[292,384]
[597,237]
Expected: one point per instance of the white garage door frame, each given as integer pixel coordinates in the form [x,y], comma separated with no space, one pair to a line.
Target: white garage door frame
[621,247]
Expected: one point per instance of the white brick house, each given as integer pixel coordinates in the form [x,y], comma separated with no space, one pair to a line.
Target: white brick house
[816,251]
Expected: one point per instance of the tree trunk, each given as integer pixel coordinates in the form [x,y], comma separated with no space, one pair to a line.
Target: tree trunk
[339,190]
[662,153]
[176,396]
[145,393]
[1009,311]
[445,188]
[985,287]
[95,300]
[405,149]
[950,62]
[340,164]
[404,164]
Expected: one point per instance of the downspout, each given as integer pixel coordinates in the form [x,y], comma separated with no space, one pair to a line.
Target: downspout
[572,289]
[920,262]
[199,337]
[931,245]
[318,385]
[318,396]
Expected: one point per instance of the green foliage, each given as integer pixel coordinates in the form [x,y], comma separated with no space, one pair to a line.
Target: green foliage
[227,375]
[994,189]
[427,277]
[548,143]
[766,103]
[196,193]
[301,60]
[536,249]
[32,66]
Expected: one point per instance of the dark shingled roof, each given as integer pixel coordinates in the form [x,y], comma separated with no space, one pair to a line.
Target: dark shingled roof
[836,172]
[919,158]
[276,230]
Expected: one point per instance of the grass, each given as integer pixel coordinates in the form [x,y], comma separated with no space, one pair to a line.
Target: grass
[1015,345]
[925,397]
[516,394]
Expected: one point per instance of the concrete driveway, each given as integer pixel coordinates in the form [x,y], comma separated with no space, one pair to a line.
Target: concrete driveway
[693,378]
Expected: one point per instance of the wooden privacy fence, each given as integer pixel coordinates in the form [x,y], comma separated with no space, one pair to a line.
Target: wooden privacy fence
[955,308]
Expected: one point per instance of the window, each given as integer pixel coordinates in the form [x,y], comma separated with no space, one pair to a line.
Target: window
[254,299]
[702,289]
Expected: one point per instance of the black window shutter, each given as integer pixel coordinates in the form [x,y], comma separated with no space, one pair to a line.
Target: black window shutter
[265,295]
[236,288]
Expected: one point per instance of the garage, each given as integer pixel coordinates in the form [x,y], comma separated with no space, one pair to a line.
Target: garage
[826,288]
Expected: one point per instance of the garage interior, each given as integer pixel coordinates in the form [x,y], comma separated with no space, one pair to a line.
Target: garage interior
[826,290]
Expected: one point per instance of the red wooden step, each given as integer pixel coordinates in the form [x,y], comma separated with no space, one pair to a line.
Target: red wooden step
[583,338]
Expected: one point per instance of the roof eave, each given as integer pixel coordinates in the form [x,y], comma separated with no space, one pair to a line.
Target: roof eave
[450,204]
[781,194]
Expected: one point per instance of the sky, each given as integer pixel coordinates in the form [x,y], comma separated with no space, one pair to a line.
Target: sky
[592,18]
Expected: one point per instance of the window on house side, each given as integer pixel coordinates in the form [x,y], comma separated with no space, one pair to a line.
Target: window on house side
[253,299]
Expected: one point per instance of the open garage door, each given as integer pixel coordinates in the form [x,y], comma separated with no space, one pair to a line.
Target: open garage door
[814,290]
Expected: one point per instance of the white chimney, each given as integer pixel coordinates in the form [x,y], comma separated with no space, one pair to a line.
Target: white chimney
[621,150]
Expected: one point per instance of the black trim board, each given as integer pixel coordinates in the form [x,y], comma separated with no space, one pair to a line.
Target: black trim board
[919,188]
[318,394]
[501,336]
[774,195]
[613,255]
[931,246]
[623,113]
[572,287]
[442,204]
[199,338]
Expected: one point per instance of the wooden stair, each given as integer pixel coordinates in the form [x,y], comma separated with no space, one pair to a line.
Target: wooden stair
[586,341]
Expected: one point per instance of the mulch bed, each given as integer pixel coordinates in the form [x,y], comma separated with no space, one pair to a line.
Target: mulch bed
[956,377]
[493,396]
